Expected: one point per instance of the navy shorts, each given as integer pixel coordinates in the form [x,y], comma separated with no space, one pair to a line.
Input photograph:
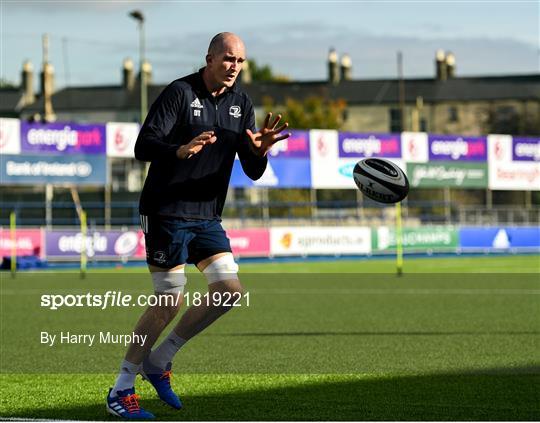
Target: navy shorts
[174,241]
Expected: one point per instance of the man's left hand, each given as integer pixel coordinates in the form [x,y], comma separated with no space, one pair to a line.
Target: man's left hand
[267,136]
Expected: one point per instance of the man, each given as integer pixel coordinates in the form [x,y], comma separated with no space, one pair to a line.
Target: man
[191,136]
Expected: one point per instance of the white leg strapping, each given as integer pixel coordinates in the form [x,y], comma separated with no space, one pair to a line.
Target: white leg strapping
[221,269]
[171,282]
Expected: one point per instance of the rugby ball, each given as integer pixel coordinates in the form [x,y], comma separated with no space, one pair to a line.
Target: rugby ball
[381,180]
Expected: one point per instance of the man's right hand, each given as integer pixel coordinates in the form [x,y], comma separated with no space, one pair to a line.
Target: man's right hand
[195,145]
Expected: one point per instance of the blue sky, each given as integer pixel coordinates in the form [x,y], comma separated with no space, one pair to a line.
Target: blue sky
[89,39]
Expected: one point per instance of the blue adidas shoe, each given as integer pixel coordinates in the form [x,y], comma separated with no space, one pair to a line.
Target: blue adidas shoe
[161,381]
[126,405]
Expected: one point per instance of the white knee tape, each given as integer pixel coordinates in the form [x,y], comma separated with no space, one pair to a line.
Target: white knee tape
[222,269]
[171,282]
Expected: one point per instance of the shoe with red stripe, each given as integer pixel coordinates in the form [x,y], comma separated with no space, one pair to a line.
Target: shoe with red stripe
[126,405]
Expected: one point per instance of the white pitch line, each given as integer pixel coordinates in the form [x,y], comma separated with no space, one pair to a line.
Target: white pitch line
[335,291]
[412,291]
[27,419]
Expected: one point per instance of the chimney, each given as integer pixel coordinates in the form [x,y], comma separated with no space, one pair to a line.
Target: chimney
[333,67]
[245,75]
[147,69]
[346,67]
[128,75]
[440,65]
[27,84]
[47,83]
[450,65]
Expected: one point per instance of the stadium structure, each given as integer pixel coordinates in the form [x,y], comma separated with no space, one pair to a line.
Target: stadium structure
[469,145]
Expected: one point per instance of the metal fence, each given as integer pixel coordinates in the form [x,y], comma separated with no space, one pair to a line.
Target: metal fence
[242,214]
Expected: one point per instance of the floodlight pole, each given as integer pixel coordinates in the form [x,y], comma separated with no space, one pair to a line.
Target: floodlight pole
[401,84]
[139,17]
[13,237]
[399,241]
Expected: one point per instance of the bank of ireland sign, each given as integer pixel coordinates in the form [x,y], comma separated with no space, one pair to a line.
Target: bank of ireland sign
[288,165]
[33,169]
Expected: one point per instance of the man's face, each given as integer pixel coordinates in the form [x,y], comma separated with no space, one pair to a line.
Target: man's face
[225,66]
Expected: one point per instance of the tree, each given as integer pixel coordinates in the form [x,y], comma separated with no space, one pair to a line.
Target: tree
[287,197]
[264,73]
[4,83]
[508,120]
[312,113]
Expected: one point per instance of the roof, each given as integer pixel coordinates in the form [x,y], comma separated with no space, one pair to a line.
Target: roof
[96,98]
[356,92]
[523,87]
[10,101]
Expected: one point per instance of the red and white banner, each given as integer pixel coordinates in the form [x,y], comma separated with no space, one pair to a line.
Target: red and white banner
[250,242]
[329,170]
[505,173]
[10,136]
[414,147]
[121,139]
[27,242]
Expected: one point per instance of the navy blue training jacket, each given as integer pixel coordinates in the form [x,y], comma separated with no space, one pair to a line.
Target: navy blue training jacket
[194,188]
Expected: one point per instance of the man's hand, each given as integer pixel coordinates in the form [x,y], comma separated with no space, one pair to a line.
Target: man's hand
[195,145]
[268,135]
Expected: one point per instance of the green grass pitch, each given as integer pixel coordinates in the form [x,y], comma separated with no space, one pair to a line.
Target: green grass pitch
[452,339]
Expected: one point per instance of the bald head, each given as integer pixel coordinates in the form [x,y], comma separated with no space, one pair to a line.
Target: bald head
[224,61]
[222,41]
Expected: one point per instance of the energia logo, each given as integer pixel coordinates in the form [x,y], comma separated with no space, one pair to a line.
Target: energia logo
[62,139]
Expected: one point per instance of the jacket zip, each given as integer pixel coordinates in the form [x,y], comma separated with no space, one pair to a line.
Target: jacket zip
[216,100]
